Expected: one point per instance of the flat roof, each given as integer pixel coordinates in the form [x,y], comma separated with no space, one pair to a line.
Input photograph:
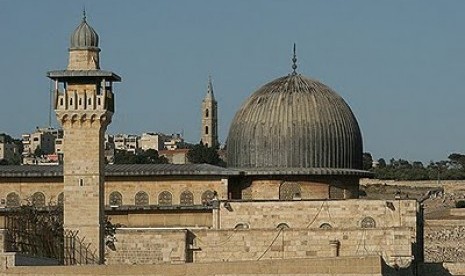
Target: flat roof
[66,74]
[122,170]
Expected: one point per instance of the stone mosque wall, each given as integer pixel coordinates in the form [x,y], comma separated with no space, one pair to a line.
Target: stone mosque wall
[154,246]
[49,189]
[337,214]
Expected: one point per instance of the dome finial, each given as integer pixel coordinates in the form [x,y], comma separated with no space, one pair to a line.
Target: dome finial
[84,13]
[294,61]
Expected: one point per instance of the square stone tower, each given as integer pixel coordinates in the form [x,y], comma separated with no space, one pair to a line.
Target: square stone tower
[209,131]
[84,105]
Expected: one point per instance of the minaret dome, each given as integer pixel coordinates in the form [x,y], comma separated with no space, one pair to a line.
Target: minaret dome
[84,36]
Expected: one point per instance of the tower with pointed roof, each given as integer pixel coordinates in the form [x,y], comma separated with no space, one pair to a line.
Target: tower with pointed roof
[209,131]
[84,105]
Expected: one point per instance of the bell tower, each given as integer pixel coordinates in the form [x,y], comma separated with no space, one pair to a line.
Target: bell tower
[84,105]
[209,131]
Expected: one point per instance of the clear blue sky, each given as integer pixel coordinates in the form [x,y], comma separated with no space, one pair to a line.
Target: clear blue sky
[400,65]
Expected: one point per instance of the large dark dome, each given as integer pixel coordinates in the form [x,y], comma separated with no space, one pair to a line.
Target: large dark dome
[294,122]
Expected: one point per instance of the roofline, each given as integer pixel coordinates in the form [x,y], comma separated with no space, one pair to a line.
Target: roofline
[66,74]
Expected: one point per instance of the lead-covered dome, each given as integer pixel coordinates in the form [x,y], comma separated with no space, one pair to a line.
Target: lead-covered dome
[294,122]
[84,36]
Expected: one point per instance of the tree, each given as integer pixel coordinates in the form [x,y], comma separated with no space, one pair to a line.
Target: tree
[457,160]
[38,152]
[200,153]
[367,161]
[149,156]
[381,163]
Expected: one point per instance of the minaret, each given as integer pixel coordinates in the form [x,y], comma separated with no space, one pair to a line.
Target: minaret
[84,105]
[209,131]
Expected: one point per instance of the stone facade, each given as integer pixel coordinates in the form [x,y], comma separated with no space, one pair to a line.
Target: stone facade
[305,187]
[128,187]
[339,214]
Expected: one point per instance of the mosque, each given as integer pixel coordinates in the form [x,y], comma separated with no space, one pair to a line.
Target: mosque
[290,191]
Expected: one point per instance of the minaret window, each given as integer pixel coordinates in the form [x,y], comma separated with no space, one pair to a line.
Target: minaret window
[206,129]
[206,113]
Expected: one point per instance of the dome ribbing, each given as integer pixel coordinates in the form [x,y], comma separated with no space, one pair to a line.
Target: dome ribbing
[84,36]
[294,122]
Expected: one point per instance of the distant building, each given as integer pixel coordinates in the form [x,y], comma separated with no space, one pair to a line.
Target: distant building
[49,140]
[154,141]
[209,131]
[127,142]
[175,156]
[174,142]
[8,149]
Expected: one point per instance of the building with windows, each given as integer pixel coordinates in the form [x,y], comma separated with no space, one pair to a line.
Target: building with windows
[290,191]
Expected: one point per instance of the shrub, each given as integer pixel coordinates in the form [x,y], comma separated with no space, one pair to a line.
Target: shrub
[460,204]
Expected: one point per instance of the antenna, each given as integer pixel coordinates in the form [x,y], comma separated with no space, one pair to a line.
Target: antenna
[50,105]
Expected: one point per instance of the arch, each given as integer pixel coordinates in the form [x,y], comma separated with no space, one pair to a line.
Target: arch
[165,198]
[289,191]
[207,196]
[242,225]
[116,199]
[186,198]
[38,199]
[141,199]
[325,226]
[61,199]
[368,222]
[283,225]
[206,113]
[13,200]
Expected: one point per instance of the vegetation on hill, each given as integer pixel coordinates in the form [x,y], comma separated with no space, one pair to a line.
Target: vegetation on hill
[149,156]
[400,169]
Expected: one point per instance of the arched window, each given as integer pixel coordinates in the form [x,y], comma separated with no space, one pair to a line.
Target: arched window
[325,226]
[207,196]
[165,198]
[289,191]
[187,198]
[13,200]
[116,199]
[242,226]
[61,199]
[206,129]
[206,113]
[282,226]
[368,222]
[38,199]
[141,199]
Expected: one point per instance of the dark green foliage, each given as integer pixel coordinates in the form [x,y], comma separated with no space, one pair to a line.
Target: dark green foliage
[38,152]
[400,169]
[200,154]
[149,156]
[367,161]
[460,204]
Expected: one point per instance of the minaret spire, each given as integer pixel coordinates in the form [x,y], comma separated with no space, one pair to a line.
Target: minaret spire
[84,13]
[210,87]
[294,62]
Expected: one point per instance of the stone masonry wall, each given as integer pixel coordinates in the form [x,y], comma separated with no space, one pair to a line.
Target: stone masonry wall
[128,187]
[339,214]
[147,246]
[394,245]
